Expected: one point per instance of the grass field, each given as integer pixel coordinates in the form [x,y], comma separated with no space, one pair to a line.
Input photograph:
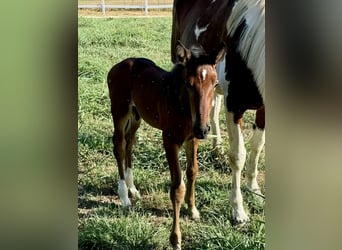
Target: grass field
[103,224]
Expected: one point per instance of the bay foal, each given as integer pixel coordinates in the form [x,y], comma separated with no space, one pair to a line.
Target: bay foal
[178,103]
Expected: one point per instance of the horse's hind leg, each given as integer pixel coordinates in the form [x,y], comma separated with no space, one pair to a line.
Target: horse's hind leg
[220,90]
[130,139]
[191,147]
[257,143]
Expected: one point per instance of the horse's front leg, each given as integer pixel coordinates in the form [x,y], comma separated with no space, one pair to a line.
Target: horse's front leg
[237,157]
[177,191]
[191,147]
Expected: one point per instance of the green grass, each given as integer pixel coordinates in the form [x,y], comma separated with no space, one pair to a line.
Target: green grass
[103,224]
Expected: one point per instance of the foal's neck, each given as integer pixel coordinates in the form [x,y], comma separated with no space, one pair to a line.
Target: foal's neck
[177,84]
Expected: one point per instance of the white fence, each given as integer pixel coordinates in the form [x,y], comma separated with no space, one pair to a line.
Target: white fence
[125,4]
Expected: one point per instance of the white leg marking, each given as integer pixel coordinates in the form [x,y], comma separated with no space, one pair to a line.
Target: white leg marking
[198,31]
[257,143]
[237,158]
[130,183]
[123,193]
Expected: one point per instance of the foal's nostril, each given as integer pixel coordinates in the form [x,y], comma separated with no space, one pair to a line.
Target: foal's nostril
[208,128]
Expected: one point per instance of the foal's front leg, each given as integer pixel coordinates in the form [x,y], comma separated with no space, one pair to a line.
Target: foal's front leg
[191,147]
[177,191]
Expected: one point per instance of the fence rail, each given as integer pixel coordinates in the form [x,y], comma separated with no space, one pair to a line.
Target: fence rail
[124,4]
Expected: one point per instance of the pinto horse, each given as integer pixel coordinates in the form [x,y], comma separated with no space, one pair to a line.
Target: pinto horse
[176,102]
[241,26]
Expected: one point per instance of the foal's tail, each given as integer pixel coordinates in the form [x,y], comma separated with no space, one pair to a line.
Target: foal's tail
[118,78]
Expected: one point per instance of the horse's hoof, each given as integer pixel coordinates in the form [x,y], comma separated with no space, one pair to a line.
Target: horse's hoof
[240,218]
[126,203]
[177,247]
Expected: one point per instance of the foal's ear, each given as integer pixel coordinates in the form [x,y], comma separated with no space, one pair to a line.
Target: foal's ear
[183,54]
[218,53]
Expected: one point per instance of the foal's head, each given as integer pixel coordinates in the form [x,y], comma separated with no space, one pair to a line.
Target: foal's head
[201,80]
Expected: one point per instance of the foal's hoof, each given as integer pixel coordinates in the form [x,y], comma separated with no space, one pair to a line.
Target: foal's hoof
[195,215]
[135,193]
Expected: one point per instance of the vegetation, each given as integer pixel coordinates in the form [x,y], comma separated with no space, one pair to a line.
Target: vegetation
[103,224]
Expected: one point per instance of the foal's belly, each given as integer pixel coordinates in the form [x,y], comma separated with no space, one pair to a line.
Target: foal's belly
[158,114]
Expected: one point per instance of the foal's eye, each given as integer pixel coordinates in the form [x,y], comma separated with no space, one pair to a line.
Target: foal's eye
[216,84]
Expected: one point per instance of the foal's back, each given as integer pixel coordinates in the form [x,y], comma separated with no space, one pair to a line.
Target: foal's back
[141,83]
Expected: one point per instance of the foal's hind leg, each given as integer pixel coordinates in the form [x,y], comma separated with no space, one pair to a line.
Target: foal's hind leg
[191,147]
[130,138]
[257,143]
[120,146]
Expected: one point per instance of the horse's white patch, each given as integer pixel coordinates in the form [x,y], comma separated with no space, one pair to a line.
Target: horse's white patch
[252,39]
[222,87]
[204,74]
[198,31]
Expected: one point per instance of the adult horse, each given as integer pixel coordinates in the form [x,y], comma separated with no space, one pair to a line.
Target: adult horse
[176,102]
[241,25]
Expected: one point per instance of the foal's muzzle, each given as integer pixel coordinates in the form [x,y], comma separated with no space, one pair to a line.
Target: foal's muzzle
[201,132]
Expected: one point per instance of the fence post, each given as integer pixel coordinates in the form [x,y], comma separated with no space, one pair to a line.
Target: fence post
[146,7]
[103,7]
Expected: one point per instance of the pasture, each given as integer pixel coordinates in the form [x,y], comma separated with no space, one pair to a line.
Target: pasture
[102,223]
